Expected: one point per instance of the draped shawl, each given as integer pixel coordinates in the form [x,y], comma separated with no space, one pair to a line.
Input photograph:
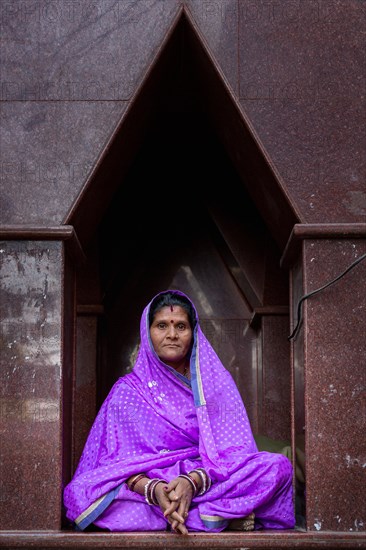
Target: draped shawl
[156,421]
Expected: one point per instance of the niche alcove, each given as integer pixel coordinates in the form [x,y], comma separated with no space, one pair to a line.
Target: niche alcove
[184,196]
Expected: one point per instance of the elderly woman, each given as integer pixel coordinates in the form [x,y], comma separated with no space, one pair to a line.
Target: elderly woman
[171,447]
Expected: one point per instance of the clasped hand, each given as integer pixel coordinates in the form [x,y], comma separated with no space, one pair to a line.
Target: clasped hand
[174,500]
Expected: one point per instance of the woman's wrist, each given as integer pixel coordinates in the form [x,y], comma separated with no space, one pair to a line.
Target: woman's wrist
[149,490]
[145,486]
[204,478]
[136,483]
[197,478]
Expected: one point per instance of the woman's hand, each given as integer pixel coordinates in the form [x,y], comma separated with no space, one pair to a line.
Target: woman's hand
[179,492]
[165,499]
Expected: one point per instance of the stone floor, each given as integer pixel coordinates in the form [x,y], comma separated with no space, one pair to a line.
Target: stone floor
[168,541]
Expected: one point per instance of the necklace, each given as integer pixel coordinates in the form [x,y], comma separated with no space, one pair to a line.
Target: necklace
[185,371]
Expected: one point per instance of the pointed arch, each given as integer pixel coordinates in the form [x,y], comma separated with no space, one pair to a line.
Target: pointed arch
[184,43]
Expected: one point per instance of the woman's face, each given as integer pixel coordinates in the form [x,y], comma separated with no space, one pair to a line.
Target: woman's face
[171,335]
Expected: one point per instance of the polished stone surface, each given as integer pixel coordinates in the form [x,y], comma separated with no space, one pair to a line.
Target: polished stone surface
[67,372]
[335,378]
[168,541]
[218,23]
[297,352]
[50,146]
[30,311]
[302,84]
[94,50]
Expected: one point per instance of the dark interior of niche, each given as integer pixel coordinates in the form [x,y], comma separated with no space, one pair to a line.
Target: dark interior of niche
[180,173]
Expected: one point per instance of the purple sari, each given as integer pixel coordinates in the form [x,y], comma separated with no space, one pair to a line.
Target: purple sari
[156,421]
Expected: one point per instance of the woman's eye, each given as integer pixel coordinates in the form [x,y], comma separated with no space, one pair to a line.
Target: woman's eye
[181,326]
[162,325]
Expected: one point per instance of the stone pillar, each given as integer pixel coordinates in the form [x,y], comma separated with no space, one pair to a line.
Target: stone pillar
[330,372]
[36,365]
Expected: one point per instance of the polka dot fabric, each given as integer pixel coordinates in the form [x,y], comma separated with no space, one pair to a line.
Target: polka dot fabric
[154,421]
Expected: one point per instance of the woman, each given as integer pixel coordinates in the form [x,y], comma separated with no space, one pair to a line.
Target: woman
[172,447]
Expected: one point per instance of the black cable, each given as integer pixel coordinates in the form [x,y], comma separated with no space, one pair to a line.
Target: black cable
[306,296]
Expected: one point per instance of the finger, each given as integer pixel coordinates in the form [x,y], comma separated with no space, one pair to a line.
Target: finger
[182,529]
[172,500]
[177,516]
[170,509]
[172,496]
[162,496]
[183,507]
[179,528]
[171,485]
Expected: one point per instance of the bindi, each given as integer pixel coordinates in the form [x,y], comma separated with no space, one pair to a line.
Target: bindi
[172,321]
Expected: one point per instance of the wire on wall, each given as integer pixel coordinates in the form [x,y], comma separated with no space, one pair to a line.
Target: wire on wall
[306,296]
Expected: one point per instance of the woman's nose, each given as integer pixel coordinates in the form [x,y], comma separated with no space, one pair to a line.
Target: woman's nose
[172,333]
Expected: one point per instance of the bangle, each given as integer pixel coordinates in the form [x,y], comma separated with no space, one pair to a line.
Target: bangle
[146,491]
[206,481]
[203,481]
[152,490]
[191,481]
[149,490]
[135,479]
[194,483]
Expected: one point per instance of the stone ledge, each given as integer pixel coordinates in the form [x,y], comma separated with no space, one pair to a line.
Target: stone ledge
[316,231]
[167,541]
[64,233]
